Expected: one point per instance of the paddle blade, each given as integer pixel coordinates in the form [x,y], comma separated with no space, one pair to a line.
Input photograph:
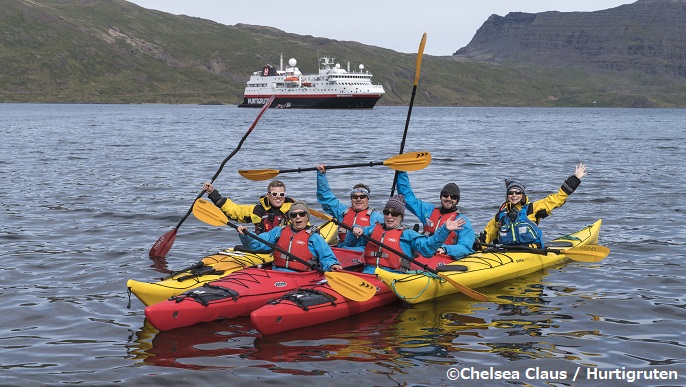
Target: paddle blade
[420,53]
[350,286]
[208,213]
[465,290]
[412,161]
[259,174]
[162,246]
[587,253]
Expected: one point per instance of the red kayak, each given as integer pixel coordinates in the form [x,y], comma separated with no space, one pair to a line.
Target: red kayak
[237,294]
[320,304]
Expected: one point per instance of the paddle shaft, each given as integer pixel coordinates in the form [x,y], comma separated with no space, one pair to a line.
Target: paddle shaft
[369,164]
[277,248]
[385,246]
[240,143]
[533,250]
[420,53]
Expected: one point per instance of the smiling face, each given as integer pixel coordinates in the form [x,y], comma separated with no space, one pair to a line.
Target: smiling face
[449,201]
[359,202]
[514,196]
[276,196]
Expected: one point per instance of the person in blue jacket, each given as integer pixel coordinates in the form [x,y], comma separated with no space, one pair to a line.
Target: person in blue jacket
[392,233]
[296,238]
[358,212]
[459,243]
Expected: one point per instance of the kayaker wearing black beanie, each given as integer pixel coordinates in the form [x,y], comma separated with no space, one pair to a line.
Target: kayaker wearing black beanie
[459,243]
[516,222]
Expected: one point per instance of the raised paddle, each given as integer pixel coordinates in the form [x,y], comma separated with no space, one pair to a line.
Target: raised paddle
[406,162]
[584,253]
[347,285]
[165,242]
[467,291]
[420,53]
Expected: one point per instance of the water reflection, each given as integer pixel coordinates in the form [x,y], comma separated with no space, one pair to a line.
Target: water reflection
[513,325]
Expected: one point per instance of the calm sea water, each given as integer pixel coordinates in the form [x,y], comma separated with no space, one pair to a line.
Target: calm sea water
[87,189]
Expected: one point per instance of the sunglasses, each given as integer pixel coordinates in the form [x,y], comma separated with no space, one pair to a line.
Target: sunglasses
[358,197]
[300,214]
[452,196]
[277,194]
[510,193]
[393,213]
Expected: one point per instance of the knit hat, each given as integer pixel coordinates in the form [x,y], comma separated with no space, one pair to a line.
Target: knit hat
[299,206]
[397,202]
[451,188]
[510,184]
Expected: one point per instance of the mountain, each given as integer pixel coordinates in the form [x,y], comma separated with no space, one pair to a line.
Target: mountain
[93,51]
[646,37]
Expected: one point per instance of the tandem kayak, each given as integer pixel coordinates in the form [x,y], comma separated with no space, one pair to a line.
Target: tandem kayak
[487,267]
[209,269]
[237,294]
[319,304]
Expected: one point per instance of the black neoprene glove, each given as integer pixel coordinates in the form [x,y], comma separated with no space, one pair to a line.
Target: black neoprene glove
[216,198]
[570,184]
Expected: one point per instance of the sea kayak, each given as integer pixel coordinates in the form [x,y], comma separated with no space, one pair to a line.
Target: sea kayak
[484,268]
[320,303]
[209,269]
[237,294]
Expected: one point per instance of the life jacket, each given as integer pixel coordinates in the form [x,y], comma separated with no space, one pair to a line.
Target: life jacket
[271,217]
[376,255]
[436,220]
[296,244]
[351,217]
[520,230]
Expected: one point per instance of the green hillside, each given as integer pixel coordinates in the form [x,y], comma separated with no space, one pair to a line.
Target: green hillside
[92,51]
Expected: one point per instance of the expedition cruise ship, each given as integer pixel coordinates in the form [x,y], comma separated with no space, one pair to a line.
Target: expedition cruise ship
[332,88]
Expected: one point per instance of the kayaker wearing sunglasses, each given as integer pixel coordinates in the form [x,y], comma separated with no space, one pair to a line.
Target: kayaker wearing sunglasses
[298,239]
[358,212]
[459,243]
[393,234]
[516,222]
[268,213]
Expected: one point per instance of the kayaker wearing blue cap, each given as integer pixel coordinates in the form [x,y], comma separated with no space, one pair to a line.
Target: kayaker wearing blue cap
[358,212]
[459,243]
[393,234]
[516,222]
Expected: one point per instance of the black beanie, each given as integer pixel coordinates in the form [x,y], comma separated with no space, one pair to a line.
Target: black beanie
[451,188]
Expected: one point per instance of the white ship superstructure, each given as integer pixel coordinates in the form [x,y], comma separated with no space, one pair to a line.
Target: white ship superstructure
[332,88]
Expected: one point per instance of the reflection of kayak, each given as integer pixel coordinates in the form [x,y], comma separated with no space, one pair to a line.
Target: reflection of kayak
[210,269]
[484,268]
[320,304]
[236,294]
[349,339]
[169,349]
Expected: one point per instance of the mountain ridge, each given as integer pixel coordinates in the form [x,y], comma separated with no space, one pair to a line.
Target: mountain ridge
[88,51]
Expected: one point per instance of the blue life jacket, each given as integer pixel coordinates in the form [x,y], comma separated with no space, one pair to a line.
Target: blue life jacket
[520,231]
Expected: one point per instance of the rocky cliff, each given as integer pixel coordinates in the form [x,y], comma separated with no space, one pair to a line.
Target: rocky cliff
[648,36]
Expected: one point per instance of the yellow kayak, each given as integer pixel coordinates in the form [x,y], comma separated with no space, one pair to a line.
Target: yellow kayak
[485,268]
[209,269]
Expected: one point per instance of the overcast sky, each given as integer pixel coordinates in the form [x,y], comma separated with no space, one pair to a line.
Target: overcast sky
[394,24]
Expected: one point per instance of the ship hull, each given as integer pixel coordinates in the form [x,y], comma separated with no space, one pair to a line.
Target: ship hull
[315,101]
